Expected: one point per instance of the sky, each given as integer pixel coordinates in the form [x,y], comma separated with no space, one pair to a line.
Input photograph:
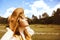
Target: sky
[31,7]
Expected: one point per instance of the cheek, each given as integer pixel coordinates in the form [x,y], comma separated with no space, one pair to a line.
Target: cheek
[24,23]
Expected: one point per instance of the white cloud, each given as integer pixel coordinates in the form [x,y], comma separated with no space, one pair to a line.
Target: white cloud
[39,7]
[26,11]
[8,12]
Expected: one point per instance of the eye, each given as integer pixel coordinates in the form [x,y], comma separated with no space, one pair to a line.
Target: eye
[21,12]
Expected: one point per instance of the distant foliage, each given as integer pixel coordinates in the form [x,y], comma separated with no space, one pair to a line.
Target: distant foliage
[3,20]
[45,19]
[45,15]
[57,16]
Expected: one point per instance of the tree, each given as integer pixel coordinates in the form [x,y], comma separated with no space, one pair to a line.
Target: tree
[29,20]
[53,13]
[57,16]
[45,15]
[34,19]
[39,16]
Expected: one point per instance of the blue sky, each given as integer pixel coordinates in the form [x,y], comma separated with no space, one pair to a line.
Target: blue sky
[36,7]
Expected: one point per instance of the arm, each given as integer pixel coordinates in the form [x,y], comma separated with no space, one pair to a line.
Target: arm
[30,31]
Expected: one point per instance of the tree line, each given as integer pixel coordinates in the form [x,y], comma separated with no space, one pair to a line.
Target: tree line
[45,19]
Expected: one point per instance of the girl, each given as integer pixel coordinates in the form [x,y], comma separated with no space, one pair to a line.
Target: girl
[19,27]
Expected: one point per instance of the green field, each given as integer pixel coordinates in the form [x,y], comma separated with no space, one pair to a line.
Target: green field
[42,32]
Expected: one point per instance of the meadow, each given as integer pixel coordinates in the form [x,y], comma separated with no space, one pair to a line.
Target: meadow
[42,32]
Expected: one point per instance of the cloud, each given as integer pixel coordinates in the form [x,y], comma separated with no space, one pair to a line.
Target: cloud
[39,7]
[8,12]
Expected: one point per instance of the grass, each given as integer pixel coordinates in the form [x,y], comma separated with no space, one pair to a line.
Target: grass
[42,32]
[2,29]
[45,28]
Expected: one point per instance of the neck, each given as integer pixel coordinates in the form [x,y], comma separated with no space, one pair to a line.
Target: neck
[21,29]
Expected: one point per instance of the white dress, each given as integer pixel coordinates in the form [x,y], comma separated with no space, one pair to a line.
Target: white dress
[9,34]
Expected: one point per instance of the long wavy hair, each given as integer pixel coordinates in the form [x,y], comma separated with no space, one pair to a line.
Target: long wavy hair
[14,23]
[13,19]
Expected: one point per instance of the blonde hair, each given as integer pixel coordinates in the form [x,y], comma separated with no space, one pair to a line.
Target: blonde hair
[13,19]
[13,22]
